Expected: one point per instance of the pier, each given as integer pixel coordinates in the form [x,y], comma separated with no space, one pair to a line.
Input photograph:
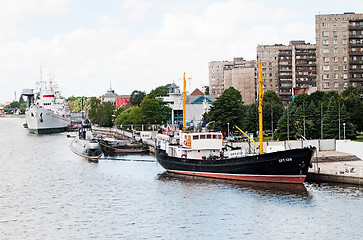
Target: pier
[328,165]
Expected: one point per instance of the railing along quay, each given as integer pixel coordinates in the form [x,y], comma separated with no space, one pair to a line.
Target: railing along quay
[329,165]
[123,134]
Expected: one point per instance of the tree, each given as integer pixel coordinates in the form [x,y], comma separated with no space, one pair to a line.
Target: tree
[132,115]
[106,111]
[161,91]
[155,111]
[286,126]
[137,97]
[206,90]
[93,109]
[250,121]
[228,108]
[350,132]
[353,100]
[312,122]
[272,110]
[331,122]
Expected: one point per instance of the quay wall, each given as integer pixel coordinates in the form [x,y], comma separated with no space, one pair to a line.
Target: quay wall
[344,166]
[351,147]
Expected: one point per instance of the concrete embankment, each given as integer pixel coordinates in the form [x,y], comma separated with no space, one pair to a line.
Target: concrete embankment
[122,134]
[333,166]
[12,115]
[328,166]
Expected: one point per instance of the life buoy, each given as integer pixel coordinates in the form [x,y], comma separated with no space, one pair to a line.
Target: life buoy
[185,142]
[184,155]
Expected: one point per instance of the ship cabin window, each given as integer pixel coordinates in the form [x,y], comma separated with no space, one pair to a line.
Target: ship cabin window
[214,136]
[219,137]
[195,137]
[209,136]
[202,136]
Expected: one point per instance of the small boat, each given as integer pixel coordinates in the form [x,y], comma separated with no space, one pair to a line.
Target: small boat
[114,146]
[203,154]
[85,144]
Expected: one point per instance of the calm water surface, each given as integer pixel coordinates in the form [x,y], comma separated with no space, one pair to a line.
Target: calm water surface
[48,192]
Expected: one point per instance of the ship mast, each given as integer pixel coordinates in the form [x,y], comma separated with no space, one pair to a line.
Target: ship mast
[184,102]
[260,98]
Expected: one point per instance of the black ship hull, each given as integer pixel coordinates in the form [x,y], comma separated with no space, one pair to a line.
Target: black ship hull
[290,166]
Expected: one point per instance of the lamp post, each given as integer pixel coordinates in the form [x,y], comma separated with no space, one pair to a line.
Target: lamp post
[344,130]
[228,130]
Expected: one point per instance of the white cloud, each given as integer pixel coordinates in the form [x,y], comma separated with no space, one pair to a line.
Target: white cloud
[13,12]
[136,9]
[107,21]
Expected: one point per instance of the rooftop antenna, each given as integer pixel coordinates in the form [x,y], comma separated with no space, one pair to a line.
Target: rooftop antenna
[110,85]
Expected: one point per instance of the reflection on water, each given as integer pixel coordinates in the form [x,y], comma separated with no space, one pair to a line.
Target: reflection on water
[298,191]
[48,192]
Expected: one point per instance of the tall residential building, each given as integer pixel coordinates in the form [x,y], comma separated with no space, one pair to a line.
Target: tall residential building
[216,77]
[339,46]
[288,68]
[239,73]
[242,76]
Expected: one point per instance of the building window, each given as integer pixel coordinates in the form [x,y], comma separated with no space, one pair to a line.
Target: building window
[335,59]
[345,59]
[335,33]
[344,41]
[345,67]
[344,50]
[354,66]
[345,76]
[325,34]
[326,68]
[354,49]
[344,33]
[325,24]
[325,42]
[335,42]
[326,50]
[325,59]
[325,76]
[344,24]
[326,85]
[335,76]
[335,24]
[336,85]
[336,68]
[335,50]
[345,85]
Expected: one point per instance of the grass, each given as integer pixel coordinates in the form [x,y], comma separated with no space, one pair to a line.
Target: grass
[359,138]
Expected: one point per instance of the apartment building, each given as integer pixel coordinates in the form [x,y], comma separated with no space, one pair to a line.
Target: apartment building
[288,68]
[339,46]
[216,77]
[239,73]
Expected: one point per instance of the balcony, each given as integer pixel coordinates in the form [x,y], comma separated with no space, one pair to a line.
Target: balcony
[356,45]
[357,36]
[356,70]
[356,27]
[285,93]
[355,53]
[356,79]
[353,62]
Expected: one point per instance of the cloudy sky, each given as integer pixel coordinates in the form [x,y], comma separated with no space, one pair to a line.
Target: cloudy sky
[141,44]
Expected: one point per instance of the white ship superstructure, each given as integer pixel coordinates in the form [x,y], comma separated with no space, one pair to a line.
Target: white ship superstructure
[46,110]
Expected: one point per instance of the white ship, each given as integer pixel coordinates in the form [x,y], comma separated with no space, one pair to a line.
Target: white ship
[46,110]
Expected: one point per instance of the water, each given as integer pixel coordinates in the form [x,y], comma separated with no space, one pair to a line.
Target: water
[48,192]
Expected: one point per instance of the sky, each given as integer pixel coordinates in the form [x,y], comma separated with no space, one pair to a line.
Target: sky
[88,45]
